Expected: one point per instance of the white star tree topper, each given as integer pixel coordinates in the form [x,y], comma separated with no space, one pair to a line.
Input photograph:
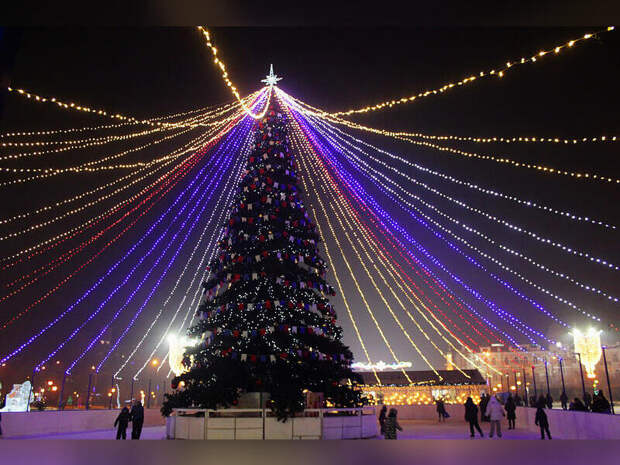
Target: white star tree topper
[271,79]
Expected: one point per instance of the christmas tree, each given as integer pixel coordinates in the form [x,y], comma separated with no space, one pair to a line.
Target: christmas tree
[265,323]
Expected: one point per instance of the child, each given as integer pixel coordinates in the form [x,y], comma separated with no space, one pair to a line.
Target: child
[122,421]
[542,421]
[391,425]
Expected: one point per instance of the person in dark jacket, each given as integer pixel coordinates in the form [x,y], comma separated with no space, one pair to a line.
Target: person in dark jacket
[391,425]
[441,410]
[484,400]
[122,421]
[542,421]
[577,406]
[136,416]
[471,416]
[518,400]
[549,401]
[511,409]
[533,401]
[564,400]
[600,404]
[382,416]
[587,400]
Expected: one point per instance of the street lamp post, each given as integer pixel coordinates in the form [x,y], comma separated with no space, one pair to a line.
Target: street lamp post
[583,383]
[547,376]
[562,376]
[90,383]
[62,390]
[611,399]
[148,396]
[131,395]
[526,400]
[534,381]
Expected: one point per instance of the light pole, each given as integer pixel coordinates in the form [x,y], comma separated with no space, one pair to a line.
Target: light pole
[526,400]
[583,383]
[547,376]
[562,376]
[534,381]
[611,399]
[90,383]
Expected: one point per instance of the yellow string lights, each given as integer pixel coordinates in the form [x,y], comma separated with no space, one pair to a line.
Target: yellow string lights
[497,72]
[190,146]
[527,203]
[495,158]
[74,211]
[228,82]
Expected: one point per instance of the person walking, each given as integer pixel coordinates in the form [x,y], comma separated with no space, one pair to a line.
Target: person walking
[511,408]
[542,421]
[136,416]
[549,401]
[122,421]
[441,410]
[495,413]
[471,416]
[564,400]
[382,416]
[391,425]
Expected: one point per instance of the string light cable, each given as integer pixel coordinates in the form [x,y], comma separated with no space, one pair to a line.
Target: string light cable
[487,302]
[497,72]
[458,340]
[371,170]
[24,215]
[483,254]
[490,192]
[207,36]
[218,167]
[171,158]
[494,158]
[229,187]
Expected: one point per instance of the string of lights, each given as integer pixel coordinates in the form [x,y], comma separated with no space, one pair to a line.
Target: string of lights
[233,89]
[169,185]
[170,159]
[361,243]
[498,72]
[387,166]
[491,192]
[208,112]
[233,147]
[298,140]
[68,233]
[494,158]
[86,109]
[401,201]
[112,268]
[208,185]
[441,323]
[103,187]
[357,190]
[377,289]
[230,186]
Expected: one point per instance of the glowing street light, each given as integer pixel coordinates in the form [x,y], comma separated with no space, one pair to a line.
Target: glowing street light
[588,345]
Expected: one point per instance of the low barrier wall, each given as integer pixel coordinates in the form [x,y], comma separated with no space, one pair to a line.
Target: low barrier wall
[424,412]
[566,424]
[260,424]
[66,421]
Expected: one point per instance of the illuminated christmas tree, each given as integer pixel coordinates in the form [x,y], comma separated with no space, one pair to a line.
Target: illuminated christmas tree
[265,323]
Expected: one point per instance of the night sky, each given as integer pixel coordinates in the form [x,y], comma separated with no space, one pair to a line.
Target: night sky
[146,72]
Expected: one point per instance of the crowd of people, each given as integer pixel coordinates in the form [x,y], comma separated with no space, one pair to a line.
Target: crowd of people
[492,409]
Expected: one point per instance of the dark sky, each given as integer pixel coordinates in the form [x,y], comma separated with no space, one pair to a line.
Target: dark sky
[154,71]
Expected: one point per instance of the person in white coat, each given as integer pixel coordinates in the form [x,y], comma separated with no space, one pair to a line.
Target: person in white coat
[495,412]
